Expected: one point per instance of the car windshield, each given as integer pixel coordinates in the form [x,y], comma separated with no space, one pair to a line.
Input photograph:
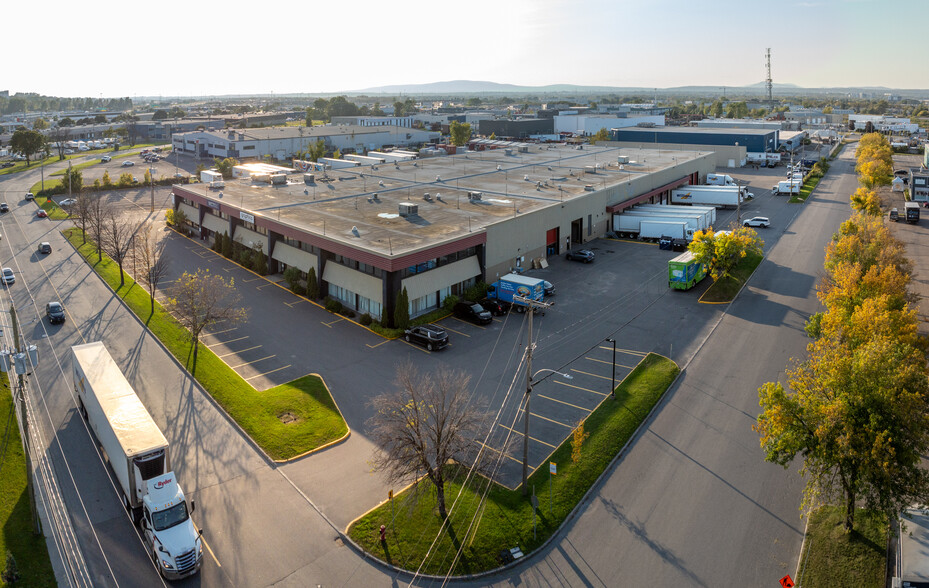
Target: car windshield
[54,307]
[477,308]
[165,519]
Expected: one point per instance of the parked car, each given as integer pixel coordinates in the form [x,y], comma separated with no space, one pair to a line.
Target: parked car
[473,312]
[757,221]
[6,164]
[128,163]
[55,312]
[4,207]
[30,196]
[7,276]
[67,202]
[41,214]
[895,215]
[432,337]
[585,255]
[496,307]
[106,159]
[45,247]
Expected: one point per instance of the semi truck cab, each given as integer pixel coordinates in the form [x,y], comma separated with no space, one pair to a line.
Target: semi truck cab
[173,541]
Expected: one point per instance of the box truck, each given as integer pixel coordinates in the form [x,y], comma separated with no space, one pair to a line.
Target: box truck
[788,187]
[512,286]
[719,180]
[684,272]
[212,178]
[912,212]
[718,196]
[140,459]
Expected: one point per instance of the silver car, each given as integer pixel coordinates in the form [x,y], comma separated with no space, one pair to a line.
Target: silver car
[757,221]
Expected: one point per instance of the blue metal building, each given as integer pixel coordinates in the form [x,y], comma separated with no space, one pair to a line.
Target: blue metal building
[754,140]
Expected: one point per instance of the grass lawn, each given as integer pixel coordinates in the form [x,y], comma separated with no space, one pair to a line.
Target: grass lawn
[29,551]
[316,419]
[54,211]
[805,190]
[506,517]
[833,558]
[725,289]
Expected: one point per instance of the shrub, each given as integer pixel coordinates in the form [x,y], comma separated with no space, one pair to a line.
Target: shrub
[477,291]
[299,290]
[11,571]
[333,305]
[402,310]
[107,182]
[292,277]
[449,303]
[312,285]
[260,263]
[245,257]
[125,180]
[227,245]
[365,320]
[169,216]
[347,312]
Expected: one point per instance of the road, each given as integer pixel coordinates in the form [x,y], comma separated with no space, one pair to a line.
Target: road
[703,507]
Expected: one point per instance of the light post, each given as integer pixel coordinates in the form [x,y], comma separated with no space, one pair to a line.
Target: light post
[613,387]
[529,384]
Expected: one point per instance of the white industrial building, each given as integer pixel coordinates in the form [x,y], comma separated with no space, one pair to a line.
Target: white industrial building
[284,142]
[883,124]
[590,124]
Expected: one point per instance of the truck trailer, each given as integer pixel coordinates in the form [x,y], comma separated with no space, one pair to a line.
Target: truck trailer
[139,456]
[511,287]
[635,226]
[912,212]
[788,187]
[707,213]
[684,272]
[695,222]
[212,178]
[718,196]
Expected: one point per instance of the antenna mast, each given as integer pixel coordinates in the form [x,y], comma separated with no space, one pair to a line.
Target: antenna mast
[769,85]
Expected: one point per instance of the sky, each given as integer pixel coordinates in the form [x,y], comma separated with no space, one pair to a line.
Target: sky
[198,48]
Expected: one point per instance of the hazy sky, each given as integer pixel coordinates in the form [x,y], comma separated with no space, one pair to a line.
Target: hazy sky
[169,47]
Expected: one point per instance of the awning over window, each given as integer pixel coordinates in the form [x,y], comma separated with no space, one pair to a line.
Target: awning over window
[358,282]
[216,224]
[293,257]
[441,277]
[250,238]
[193,215]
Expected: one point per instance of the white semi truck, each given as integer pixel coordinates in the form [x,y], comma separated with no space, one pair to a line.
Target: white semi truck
[140,458]
[718,196]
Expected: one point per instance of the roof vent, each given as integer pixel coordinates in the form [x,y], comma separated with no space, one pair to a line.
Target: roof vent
[355,231]
[409,209]
[427,197]
[475,195]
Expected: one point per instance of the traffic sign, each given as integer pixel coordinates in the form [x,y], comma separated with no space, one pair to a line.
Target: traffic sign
[787,582]
[552,468]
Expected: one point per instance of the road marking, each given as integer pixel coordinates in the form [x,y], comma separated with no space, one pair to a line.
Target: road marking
[213,555]
[266,373]
[538,416]
[214,333]
[292,304]
[251,280]
[506,455]
[592,375]
[563,402]
[251,362]
[265,285]
[610,363]
[229,341]
[530,436]
[243,351]
[627,351]
[414,346]
[379,344]
[468,323]
[333,322]
[446,327]
[559,382]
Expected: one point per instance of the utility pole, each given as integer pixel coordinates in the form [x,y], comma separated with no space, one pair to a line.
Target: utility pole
[531,305]
[19,361]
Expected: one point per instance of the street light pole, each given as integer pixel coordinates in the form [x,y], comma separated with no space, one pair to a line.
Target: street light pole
[613,387]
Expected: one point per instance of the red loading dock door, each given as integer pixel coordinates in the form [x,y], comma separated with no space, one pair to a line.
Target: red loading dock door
[551,241]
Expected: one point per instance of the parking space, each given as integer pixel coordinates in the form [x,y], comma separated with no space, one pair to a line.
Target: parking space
[557,405]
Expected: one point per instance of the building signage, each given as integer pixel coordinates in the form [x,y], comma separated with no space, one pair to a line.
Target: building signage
[247,217]
[213,205]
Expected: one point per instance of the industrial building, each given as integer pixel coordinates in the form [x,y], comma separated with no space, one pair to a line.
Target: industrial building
[435,226]
[590,124]
[517,129]
[730,146]
[284,142]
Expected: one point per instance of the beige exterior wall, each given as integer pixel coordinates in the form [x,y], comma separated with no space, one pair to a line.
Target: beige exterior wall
[525,234]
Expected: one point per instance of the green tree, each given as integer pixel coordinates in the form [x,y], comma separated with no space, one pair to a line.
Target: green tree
[402,310]
[227,245]
[473,101]
[66,122]
[107,182]
[224,166]
[40,124]
[73,180]
[28,143]
[601,135]
[312,284]
[292,277]
[720,252]
[160,114]
[316,150]
[260,261]
[460,133]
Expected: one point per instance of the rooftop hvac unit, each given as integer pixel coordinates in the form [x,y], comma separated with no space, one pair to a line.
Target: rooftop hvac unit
[508,151]
[590,169]
[524,148]
[646,125]
[309,178]
[622,159]
[279,178]
[427,197]
[475,195]
[409,209]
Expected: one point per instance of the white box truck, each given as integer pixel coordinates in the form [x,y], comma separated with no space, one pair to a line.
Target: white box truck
[719,180]
[707,214]
[718,196]
[212,178]
[140,459]
[788,187]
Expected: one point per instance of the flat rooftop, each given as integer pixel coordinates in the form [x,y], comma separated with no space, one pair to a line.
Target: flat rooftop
[360,205]
[698,130]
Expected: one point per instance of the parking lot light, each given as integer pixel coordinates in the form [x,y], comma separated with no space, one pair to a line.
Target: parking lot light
[613,387]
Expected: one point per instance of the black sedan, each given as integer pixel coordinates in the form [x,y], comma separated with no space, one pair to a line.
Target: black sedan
[473,312]
[55,312]
[496,307]
[431,337]
[585,255]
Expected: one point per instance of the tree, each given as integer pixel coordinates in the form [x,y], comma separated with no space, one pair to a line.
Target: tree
[224,166]
[160,115]
[721,252]
[601,135]
[94,219]
[59,138]
[227,245]
[66,122]
[204,299]
[40,124]
[27,143]
[859,420]
[73,180]
[424,426]
[867,201]
[312,284]
[316,150]
[402,310]
[260,261]
[115,239]
[460,133]
[153,263]
[292,277]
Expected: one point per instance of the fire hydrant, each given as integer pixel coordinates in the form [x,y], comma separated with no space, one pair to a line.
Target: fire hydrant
[383,533]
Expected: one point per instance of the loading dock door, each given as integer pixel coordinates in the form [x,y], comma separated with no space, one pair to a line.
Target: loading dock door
[577,231]
[551,241]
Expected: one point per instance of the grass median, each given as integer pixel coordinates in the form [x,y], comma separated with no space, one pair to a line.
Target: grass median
[504,519]
[29,551]
[285,421]
[725,289]
[833,557]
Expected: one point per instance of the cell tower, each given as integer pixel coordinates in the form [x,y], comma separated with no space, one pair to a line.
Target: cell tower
[769,85]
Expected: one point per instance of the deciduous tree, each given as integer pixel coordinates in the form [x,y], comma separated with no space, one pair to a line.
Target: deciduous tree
[721,252]
[115,238]
[867,201]
[460,133]
[151,258]
[204,299]
[27,143]
[424,426]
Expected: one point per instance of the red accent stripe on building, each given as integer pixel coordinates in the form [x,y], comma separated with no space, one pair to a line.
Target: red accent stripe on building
[614,208]
[361,255]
